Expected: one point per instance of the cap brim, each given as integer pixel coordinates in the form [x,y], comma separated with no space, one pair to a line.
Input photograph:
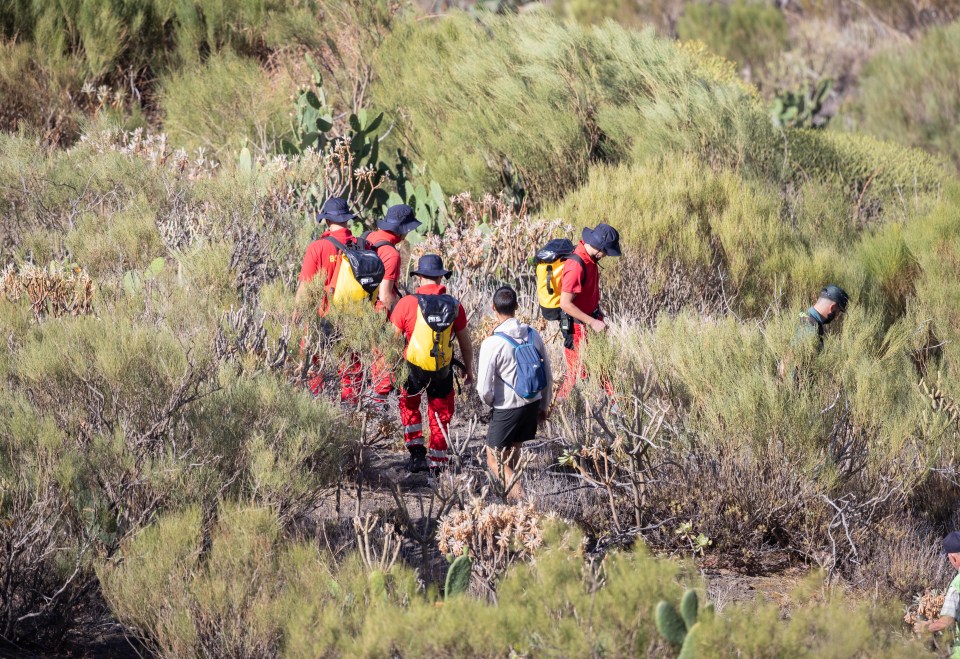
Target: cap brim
[612,250]
[433,275]
[336,218]
[406,227]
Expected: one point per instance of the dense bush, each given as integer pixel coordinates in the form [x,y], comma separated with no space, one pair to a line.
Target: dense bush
[909,95]
[536,112]
[226,103]
[748,32]
[246,591]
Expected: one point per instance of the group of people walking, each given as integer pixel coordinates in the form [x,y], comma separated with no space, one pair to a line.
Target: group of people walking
[515,375]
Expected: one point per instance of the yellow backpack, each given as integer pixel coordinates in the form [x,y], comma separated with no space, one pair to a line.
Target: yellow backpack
[360,274]
[431,344]
[549,261]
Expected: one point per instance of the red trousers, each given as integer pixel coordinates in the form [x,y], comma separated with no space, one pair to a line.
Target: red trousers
[575,370]
[351,379]
[440,408]
[382,377]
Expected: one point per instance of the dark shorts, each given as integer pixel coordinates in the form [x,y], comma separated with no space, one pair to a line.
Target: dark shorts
[509,427]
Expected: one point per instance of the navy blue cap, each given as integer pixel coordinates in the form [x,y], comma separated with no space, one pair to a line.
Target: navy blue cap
[335,209]
[604,238]
[400,219]
[836,294]
[951,544]
[431,265]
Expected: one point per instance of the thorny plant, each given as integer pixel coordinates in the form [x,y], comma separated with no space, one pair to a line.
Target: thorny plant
[379,544]
[446,492]
[53,291]
[611,448]
[494,536]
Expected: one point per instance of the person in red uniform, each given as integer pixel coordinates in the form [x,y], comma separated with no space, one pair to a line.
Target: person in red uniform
[391,231]
[438,385]
[323,259]
[580,296]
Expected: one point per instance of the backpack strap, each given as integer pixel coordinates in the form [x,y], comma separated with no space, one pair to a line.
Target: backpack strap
[509,339]
[383,243]
[336,243]
[583,266]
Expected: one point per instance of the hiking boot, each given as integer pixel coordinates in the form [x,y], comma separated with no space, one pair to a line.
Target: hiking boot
[418,461]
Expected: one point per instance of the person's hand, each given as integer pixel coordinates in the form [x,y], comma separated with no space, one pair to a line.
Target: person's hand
[468,378]
[920,626]
[542,416]
[597,325]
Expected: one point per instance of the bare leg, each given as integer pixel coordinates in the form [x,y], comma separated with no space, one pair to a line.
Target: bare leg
[506,460]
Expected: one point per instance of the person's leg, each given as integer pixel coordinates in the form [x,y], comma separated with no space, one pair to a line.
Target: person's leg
[412,421]
[440,408]
[575,370]
[503,463]
[351,378]
[382,378]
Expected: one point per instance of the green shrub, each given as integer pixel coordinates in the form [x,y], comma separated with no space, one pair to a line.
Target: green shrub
[749,32]
[910,95]
[123,241]
[38,94]
[226,103]
[496,105]
[245,590]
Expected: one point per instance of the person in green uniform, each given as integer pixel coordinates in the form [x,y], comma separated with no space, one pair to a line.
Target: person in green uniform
[831,303]
[951,601]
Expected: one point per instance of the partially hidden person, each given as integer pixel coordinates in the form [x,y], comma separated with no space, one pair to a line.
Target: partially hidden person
[951,601]
[323,258]
[391,231]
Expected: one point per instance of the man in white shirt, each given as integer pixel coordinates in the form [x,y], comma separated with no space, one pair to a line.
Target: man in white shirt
[951,601]
[516,382]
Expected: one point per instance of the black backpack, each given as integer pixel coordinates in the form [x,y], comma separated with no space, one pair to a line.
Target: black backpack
[364,276]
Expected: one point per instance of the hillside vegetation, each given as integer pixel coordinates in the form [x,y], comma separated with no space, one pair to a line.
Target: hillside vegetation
[166,476]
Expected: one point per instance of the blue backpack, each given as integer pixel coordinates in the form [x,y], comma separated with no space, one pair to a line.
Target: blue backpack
[531,376]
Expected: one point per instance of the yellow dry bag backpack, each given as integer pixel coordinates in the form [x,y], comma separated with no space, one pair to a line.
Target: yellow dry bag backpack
[549,261]
[431,345]
[360,274]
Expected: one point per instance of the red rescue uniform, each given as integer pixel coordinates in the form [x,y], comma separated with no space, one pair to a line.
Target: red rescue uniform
[322,258]
[389,255]
[584,282]
[438,387]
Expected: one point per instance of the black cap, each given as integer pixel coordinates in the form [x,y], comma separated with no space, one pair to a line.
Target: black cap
[400,219]
[951,544]
[431,266]
[604,238]
[836,294]
[336,210]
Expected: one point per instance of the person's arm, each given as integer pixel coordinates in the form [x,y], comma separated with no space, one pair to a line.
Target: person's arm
[546,396]
[466,351]
[940,624]
[388,294]
[486,373]
[569,308]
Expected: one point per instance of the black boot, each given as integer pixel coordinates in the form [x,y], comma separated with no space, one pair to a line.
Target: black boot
[418,459]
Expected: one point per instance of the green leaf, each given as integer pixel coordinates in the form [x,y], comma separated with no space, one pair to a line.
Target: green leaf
[246,161]
[156,266]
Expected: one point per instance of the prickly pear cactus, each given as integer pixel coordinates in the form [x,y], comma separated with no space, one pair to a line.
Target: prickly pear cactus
[678,629]
[378,584]
[689,649]
[669,624]
[458,577]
